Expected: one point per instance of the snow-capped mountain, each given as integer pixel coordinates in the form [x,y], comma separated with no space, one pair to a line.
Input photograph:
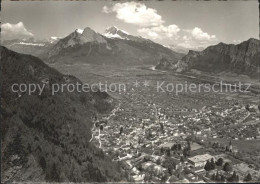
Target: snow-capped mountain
[114,47]
[114,32]
[78,37]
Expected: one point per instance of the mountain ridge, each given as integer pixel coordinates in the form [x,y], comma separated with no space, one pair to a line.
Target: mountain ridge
[46,137]
[242,58]
[125,50]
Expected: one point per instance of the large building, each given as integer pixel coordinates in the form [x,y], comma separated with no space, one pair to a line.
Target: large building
[200,160]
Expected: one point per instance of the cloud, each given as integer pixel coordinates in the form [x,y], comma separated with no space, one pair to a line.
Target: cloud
[198,34]
[160,32]
[153,27]
[14,31]
[196,37]
[149,33]
[135,13]
[172,34]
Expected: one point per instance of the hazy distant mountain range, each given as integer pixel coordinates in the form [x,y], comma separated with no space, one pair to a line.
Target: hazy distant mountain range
[31,46]
[117,47]
[46,137]
[183,50]
[243,58]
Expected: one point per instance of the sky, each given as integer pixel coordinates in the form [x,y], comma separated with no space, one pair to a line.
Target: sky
[181,23]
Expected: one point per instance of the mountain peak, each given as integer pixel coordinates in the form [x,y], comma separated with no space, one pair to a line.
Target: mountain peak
[114,32]
[242,58]
[80,31]
[88,32]
[78,37]
[253,41]
[89,29]
[111,28]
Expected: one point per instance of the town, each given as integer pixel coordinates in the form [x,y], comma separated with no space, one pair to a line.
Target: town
[163,143]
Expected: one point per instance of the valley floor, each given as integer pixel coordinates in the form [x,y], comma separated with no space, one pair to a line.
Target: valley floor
[155,135]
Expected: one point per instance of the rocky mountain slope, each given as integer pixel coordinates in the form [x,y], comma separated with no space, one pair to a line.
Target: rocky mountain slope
[165,64]
[46,137]
[114,47]
[243,58]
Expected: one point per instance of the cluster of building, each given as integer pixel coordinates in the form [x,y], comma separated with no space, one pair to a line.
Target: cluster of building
[152,145]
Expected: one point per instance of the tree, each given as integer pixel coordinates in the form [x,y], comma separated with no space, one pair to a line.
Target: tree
[217,176]
[182,159]
[222,178]
[149,134]
[29,148]
[179,146]
[143,125]
[95,118]
[161,126]
[164,177]
[101,127]
[212,164]
[207,174]
[42,163]
[207,166]
[180,174]
[140,168]
[227,167]
[220,162]
[16,147]
[174,147]
[189,147]
[247,107]
[53,175]
[215,145]
[170,171]
[158,161]
[213,177]
[226,149]
[168,152]
[169,163]
[162,150]
[146,177]
[234,177]
[248,177]
[121,130]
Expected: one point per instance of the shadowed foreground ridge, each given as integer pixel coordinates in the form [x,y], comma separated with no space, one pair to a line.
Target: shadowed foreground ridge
[46,137]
